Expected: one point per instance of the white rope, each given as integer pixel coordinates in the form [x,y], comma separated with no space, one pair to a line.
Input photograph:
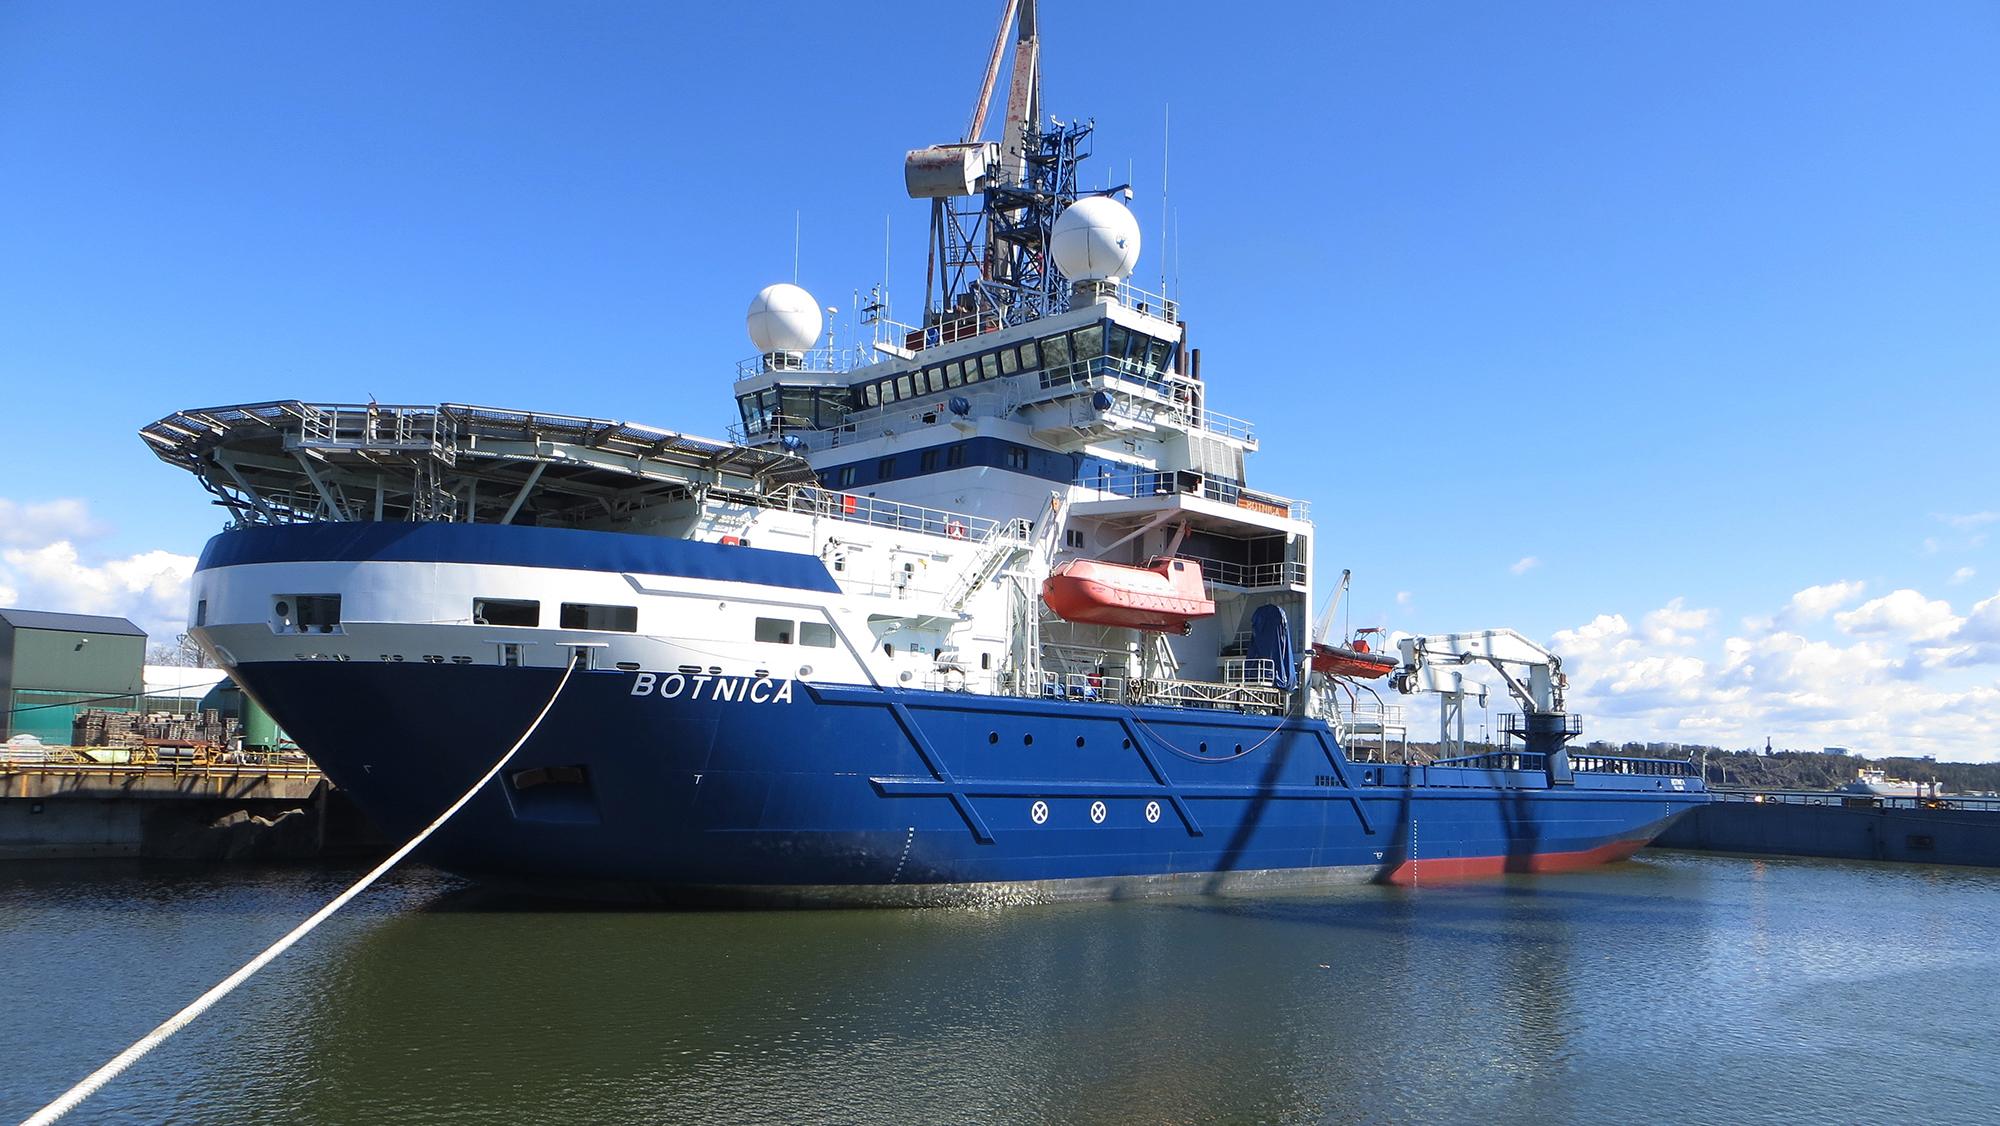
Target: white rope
[182,1019]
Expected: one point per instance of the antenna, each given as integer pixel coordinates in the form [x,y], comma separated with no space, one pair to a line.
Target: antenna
[1166,167]
[795,246]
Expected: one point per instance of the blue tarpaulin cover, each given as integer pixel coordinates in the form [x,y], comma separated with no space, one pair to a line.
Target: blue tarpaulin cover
[1271,640]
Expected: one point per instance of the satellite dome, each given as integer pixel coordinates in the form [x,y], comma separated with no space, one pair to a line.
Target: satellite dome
[783,318]
[1096,238]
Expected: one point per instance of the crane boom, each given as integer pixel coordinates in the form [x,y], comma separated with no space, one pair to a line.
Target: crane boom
[1533,675]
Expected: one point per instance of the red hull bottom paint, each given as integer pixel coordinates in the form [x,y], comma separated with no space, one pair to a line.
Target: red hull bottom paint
[1474,867]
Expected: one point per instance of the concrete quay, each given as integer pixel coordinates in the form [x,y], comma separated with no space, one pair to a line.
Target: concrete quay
[224,812]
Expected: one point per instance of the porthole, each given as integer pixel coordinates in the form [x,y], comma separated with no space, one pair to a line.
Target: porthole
[1204,748]
[1239,748]
[993,736]
[1027,740]
[1128,744]
[1079,740]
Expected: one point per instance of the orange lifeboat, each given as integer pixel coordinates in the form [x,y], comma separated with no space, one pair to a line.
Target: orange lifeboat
[1357,661]
[1165,595]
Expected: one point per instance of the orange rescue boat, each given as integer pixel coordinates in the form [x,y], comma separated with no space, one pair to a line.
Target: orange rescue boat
[1357,661]
[1165,595]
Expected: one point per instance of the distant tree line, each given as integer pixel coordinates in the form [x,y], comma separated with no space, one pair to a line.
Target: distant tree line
[1810,770]
[1779,770]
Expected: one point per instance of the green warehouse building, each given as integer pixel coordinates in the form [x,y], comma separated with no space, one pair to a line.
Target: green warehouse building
[54,665]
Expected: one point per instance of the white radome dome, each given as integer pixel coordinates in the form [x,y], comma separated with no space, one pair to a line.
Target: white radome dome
[783,318]
[1095,238]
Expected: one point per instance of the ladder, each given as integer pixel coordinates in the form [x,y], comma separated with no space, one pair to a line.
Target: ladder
[1007,539]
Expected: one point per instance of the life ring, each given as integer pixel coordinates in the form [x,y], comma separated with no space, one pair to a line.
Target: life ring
[955,529]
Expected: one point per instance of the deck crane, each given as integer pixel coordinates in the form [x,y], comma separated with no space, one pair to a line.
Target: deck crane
[1532,673]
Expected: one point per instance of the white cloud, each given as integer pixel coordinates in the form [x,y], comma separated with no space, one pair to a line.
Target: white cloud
[1807,606]
[1962,574]
[1893,678]
[1402,598]
[1525,565]
[41,568]
[1968,522]
[34,525]
[1905,613]
[1663,626]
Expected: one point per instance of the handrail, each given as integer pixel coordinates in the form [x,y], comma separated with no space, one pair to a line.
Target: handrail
[829,504]
[1582,764]
[1852,800]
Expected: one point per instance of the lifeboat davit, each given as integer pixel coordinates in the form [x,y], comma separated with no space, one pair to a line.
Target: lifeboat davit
[1165,595]
[1359,661]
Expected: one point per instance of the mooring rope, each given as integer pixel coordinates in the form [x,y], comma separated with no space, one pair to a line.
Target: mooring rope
[70,1098]
[1282,720]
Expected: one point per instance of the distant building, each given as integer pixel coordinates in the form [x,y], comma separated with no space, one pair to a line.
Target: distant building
[53,665]
[1838,750]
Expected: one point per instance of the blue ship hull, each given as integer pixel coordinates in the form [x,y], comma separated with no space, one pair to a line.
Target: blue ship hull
[794,792]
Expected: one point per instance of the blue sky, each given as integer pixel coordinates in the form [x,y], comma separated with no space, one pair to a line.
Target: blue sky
[1556,312]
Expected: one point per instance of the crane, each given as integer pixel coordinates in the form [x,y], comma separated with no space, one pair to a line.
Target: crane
[1533,675]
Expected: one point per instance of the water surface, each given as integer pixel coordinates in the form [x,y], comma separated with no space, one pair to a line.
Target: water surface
[1676,988]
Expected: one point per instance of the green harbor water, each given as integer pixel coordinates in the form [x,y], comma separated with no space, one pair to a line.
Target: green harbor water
[1677,988]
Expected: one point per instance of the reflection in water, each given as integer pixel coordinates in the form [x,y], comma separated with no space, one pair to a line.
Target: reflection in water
[1628,994]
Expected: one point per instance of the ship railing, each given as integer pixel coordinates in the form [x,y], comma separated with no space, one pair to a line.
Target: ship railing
[1372,732]
[1152,304]
[950,330]
[1165,482]
[1849,800]
[829,360]
[1507,759]
[829,504]
[1259,671]
[1205,694]
[1370,718]
[376,427]
[1089,687]
[1516,724]
[1176,392]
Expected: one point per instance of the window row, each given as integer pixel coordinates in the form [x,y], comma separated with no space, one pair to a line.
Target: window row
[781,631]
[928,461]
[1136,352]
[794,408]
[573,615]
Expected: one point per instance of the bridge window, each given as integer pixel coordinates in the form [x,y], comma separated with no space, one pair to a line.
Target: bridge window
[873,395]
[929,461]
[954,455]
[1089,342]
[846,478]
[951,376]
[1028,360]
[817,634]
[1008,363]
[1055,352]
[774,631]
[885,469]
[1115,344]
[506,612]
[989,365]
[1017,457]
[903,387]
[583,615]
